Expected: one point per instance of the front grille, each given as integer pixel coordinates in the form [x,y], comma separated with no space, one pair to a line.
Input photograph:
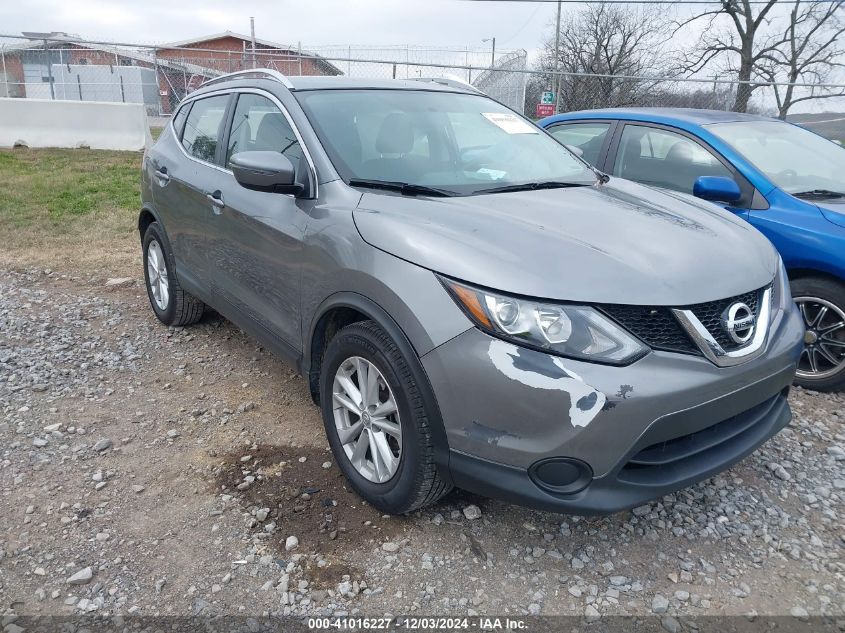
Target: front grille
[658,328]
[680,457]
[710,315]
[655,326]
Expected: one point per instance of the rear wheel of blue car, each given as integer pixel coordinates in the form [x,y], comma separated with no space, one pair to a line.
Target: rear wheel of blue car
[377,421]
[822,305]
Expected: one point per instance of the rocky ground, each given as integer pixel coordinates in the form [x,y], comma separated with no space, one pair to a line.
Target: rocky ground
[184,471]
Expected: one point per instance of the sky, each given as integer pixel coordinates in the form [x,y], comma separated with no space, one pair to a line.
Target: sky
[356,22]
[316,24]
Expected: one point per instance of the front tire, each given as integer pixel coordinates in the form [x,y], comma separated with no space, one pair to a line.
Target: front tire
[377,422]
[822,305]
[171,304]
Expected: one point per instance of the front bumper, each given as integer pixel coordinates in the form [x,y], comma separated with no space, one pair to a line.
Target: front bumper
[637,432]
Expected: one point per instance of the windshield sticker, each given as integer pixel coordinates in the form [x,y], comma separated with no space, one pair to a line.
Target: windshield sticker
[510,123]
[492,174]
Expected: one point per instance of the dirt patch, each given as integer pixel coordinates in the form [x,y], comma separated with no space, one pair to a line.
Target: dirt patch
[304,499]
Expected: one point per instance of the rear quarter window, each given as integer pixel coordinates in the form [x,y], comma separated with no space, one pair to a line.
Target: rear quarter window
[179,120]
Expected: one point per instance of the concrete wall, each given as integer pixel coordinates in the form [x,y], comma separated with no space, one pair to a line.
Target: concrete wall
[118,84]
[45,123]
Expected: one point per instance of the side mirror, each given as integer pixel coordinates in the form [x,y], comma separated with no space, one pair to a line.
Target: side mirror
[717,189]
[265,171]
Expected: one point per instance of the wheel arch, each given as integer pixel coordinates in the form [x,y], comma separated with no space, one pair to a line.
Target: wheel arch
[146,217]
[345,308]
[804,272]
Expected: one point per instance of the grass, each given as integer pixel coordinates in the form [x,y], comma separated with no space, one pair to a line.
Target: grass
[71,209]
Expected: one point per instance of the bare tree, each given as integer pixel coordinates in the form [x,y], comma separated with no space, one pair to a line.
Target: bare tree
[810,52]
[607,43]
[743,46]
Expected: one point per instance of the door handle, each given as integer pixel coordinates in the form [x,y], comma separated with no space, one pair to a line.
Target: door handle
[216,200]
[163,176]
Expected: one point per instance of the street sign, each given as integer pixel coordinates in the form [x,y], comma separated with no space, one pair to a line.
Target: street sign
[548,97]
[545,109]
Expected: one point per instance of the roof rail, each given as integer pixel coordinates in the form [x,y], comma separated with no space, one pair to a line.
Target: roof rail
[259,73]
[449,80]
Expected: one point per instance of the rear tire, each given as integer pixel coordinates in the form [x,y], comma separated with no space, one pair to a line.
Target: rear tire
[822,304]
[171,304]
[415,481]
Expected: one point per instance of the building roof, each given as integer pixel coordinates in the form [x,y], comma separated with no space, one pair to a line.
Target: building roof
[224,34]
[139,55]
[196,42]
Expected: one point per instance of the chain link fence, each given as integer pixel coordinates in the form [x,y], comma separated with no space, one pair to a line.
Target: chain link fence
[160,77]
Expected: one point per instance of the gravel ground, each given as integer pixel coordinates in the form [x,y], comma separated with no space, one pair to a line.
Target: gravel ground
[163,471]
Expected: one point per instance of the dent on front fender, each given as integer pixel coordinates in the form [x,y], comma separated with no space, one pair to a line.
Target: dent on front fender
[337,260]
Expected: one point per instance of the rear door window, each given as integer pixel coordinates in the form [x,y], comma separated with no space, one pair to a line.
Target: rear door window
[203,128]
[586,137]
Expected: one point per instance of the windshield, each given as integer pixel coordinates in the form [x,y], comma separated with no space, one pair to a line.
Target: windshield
[795,159]
[457,143]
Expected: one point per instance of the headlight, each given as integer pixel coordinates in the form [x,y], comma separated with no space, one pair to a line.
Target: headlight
[568,330]
[781,293]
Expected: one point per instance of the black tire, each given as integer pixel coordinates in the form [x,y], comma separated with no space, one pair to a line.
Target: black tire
[416,482]
[832,292]
[182,308]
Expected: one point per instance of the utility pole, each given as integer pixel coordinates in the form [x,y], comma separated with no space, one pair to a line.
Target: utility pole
[557,59]
[6,93]
[49,69]
[252,36]
[493,54]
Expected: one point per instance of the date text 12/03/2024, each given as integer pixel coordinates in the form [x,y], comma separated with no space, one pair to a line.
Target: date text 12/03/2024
[418,623]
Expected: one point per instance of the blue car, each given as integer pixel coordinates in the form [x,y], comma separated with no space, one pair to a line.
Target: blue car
[785,180]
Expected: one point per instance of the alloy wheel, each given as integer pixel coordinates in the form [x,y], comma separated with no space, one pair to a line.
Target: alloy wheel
[157,275]
[367,419]
[824,340]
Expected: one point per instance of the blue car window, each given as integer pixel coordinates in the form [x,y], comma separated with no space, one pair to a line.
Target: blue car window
[664,159]
[586,137]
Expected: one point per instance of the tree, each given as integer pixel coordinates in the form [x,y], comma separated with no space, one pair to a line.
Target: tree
[751,41]
[809,54]
[744,40]
[600,47]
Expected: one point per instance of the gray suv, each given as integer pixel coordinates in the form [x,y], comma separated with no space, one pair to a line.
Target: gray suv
[471,304]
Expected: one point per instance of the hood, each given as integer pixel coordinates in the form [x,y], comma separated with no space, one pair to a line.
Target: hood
[615,243]
[834,211]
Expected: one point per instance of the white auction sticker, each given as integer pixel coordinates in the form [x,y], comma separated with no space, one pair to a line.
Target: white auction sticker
[510,123]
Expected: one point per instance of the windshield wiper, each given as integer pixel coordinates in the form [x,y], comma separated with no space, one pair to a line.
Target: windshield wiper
[405,188]
[531,186]
[819,193]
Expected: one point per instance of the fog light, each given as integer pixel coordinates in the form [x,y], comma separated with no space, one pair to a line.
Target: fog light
[561,475]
